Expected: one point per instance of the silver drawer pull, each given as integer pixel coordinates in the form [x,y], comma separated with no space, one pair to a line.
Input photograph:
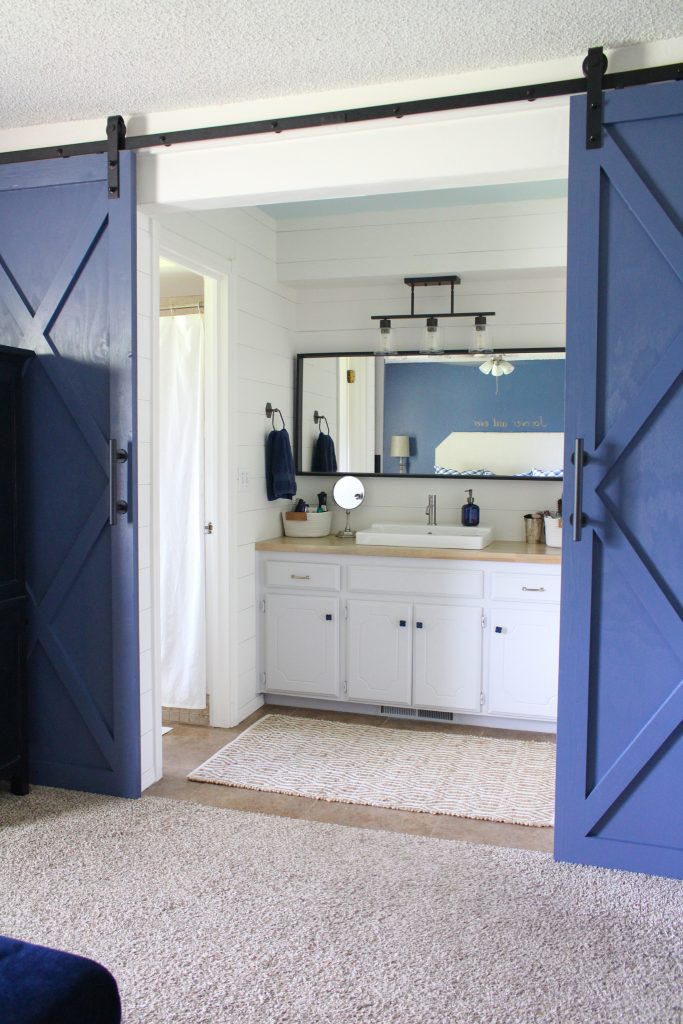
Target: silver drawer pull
[293,576]
[540,590]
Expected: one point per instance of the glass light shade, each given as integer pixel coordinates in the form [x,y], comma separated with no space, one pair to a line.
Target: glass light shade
[481,336]
[432,341]
[506,367]
[386,342]
[486,366]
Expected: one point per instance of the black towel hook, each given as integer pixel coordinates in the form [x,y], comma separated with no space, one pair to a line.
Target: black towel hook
[318,418]
[270,413]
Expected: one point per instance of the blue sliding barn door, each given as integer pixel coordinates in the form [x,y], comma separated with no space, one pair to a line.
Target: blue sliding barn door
[620,732]
[67,292]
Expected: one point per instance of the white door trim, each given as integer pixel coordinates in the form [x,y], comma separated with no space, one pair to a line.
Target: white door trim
[221,422]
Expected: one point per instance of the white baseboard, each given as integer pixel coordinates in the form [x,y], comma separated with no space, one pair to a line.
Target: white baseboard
[488,721]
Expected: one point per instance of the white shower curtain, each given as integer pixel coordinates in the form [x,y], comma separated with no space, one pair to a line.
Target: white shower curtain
[181,492]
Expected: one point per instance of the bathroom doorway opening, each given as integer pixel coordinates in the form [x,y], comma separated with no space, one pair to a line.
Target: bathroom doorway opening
[186,492]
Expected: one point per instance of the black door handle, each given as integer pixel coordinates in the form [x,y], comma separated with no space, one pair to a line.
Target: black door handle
[577,516]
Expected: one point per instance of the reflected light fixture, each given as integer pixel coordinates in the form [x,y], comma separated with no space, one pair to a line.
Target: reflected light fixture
[497,366]
[400,449]
[432,341]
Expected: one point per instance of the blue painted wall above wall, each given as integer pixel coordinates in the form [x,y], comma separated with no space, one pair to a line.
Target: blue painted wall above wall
[429,400]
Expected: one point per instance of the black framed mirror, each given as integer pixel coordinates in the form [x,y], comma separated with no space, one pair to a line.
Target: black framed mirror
[496,414]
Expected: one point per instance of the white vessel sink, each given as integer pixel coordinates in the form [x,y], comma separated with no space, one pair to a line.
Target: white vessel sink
[422,536]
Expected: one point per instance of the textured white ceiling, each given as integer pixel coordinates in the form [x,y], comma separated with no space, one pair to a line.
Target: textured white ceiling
[70,59]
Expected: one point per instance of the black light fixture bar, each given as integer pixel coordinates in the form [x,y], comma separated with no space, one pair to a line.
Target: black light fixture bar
[356,115]
[431,282]
[428,282]
[423,316]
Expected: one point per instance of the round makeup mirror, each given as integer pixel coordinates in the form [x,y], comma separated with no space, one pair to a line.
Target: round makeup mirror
[348,493]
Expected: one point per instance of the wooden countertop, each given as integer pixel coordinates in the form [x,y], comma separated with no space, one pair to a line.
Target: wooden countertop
[498,551]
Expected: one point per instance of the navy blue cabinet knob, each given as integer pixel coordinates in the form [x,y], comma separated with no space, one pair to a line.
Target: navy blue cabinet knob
[328,618]
[402,622]
[499,629]
[419,625]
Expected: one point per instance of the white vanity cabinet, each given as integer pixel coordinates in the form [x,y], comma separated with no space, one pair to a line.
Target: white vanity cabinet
[378,652]
[474,639]
[525,645]
[301,627]
[447,657]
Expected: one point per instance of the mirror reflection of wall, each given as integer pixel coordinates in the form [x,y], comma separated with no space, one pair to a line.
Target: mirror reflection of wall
[341,389]
[454,420]
[503,431]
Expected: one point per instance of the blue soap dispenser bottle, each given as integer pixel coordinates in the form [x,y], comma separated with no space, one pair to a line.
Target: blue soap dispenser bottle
[470,511]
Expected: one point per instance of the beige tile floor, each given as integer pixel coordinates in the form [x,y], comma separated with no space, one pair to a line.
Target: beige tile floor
[187,746]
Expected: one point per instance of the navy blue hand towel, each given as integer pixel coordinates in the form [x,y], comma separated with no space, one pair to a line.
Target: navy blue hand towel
[324,457]
[280,480]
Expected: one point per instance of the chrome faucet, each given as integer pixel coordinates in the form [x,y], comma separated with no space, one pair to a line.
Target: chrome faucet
[430,511]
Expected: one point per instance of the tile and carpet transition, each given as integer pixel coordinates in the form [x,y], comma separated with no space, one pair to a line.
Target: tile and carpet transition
[502,779]
[211,916]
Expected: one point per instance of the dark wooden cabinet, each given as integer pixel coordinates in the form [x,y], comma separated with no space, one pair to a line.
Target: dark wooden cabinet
[13,717]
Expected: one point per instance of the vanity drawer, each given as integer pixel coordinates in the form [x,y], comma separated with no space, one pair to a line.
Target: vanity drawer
[303,575]
[434,582]
[525,587]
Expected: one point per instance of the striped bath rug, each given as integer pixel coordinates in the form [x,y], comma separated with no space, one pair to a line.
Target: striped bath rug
[495,779]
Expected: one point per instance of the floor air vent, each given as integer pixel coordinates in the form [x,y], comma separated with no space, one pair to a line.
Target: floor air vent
[430,716]
[387,709]
[436,716]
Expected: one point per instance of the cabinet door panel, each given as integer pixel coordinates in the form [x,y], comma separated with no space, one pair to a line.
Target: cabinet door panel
[302,644]
[447,657]
[379,652]
[524,662]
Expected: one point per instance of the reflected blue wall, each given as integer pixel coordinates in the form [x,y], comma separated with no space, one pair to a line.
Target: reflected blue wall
[428,401]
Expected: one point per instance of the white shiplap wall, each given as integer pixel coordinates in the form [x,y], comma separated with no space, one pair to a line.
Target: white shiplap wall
[260,355]
[522,248]
[476,241]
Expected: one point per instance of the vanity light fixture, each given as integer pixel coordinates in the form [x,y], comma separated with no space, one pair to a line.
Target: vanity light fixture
[432,341]
[481,341]
[385,336]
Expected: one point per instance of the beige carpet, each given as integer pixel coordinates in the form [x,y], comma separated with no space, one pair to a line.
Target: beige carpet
[410,770]
[210,916]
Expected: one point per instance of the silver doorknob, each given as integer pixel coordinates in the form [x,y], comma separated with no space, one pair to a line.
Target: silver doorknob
[208,528]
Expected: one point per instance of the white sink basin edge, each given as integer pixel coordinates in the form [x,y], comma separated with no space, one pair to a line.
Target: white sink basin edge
[423,536]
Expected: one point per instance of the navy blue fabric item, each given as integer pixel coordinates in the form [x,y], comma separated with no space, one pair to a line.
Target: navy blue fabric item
[280,479]
[324,457]
[44,986]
